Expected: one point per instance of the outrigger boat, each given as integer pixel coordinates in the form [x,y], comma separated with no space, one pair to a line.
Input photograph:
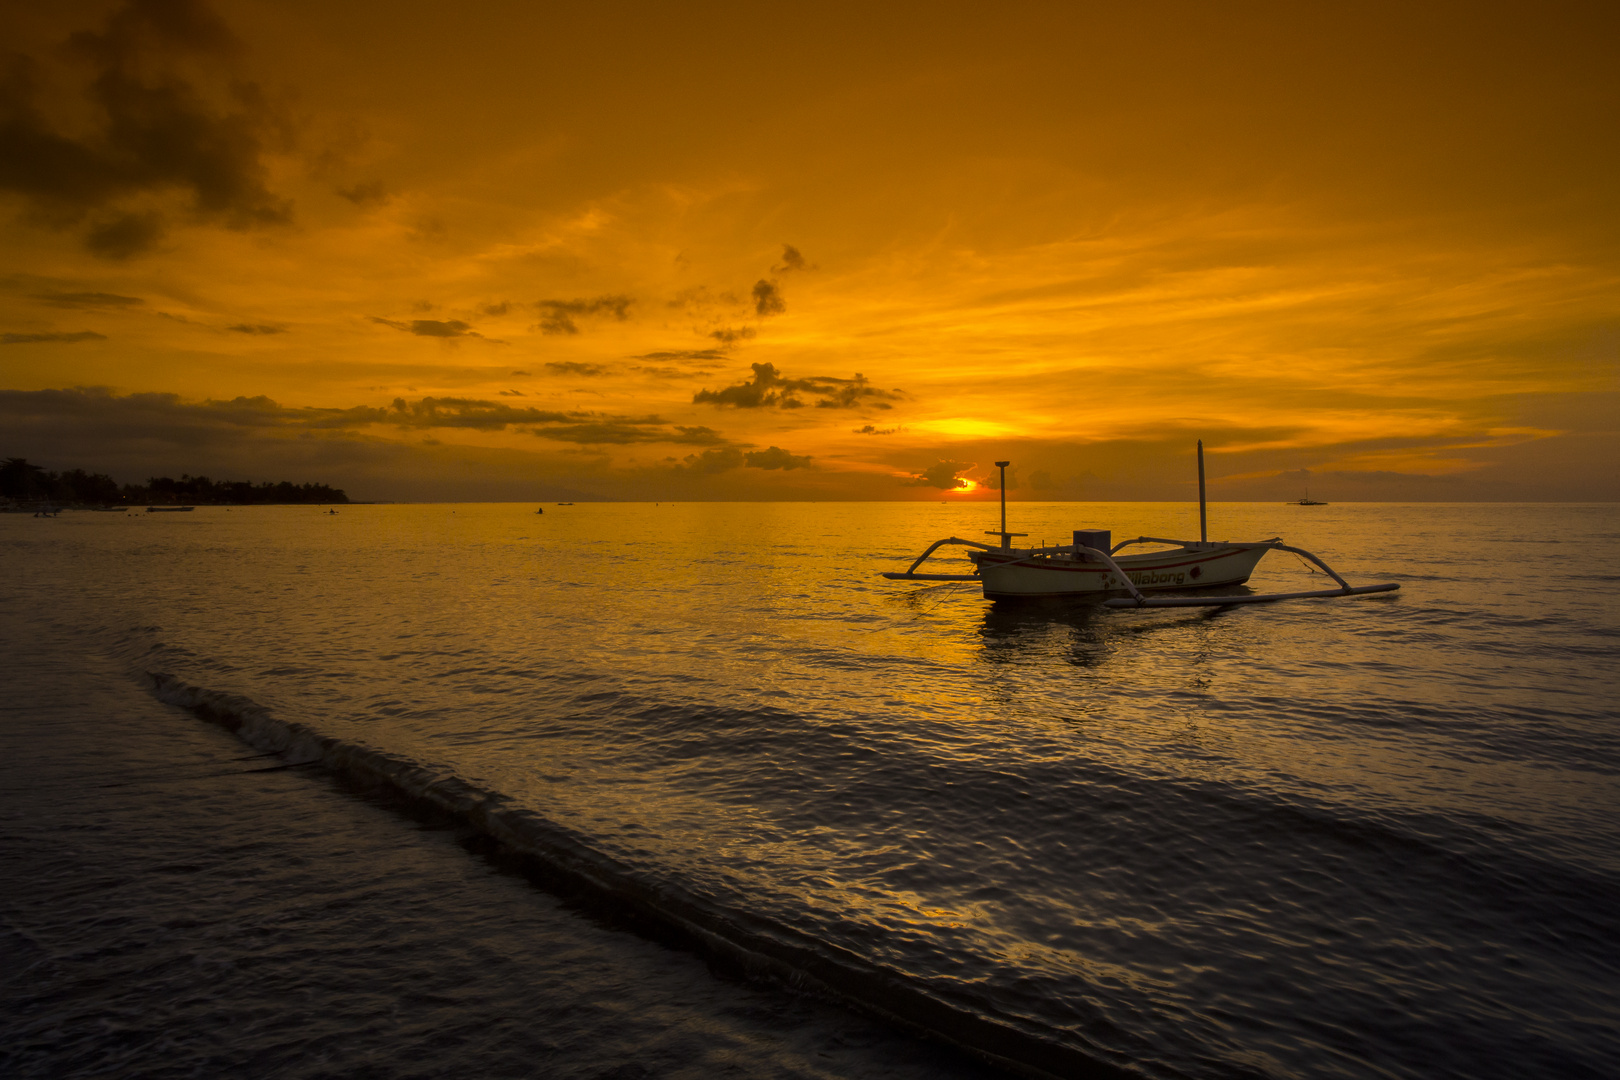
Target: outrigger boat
[1088,567]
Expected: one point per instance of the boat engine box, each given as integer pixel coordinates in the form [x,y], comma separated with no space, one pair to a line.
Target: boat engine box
[1101,539]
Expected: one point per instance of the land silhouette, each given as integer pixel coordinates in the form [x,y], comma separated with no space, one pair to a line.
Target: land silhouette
[21,481]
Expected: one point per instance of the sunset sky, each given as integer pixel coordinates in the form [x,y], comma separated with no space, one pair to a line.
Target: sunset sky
[825,251]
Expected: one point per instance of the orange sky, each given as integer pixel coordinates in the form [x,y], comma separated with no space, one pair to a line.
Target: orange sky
[644,251]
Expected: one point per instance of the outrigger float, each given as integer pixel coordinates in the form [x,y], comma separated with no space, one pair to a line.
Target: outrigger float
[1088,568]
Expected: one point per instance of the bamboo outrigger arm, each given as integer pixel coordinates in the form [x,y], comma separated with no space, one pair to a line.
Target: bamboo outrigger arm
[911,572]
[1137,600]
[1227,601]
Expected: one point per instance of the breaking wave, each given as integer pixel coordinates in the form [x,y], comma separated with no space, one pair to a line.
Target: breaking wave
[741,940]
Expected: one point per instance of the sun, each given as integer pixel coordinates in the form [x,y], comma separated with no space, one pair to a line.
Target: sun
[967,487]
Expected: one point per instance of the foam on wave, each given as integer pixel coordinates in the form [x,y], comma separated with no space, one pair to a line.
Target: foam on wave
[758,946]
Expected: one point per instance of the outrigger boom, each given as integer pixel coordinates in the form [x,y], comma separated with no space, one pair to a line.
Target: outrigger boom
[1088,568]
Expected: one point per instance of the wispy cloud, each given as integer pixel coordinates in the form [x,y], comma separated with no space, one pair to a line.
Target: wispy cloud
[684,354]
[626,432]
[87,300]
[370,193]
[435,328]
[51,338]
[558,316]
[769,388]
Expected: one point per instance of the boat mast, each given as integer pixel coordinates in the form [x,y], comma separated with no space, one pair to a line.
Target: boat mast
[1006,537]
[1002,465]
[1203,518]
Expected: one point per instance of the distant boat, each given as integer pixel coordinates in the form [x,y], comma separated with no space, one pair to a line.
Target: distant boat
[1306,500]
[170,509]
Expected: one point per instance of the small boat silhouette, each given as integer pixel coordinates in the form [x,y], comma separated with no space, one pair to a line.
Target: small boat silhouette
[1092,567]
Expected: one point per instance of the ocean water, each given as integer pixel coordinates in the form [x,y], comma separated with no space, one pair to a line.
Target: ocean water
[1361,837]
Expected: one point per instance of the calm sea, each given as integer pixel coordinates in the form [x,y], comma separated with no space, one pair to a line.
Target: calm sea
[683,789]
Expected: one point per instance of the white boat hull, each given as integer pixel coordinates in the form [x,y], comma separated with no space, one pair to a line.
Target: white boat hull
[1011,575]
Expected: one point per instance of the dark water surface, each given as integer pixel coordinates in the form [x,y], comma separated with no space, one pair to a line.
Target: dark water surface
[1368,837]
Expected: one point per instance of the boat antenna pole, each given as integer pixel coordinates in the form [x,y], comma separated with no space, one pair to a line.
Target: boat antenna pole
[1006,537]
[1002,465]
[1203,517]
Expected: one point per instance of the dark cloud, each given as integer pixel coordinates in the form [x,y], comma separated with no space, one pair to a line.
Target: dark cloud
[87,299]
[151,415]
[372,193]
[434,412]
[257,328]
[495,310]
[993,481]
[429,230]
[452,328]
[727,336]
[699,299]
[39,339]
[138,435]
[769,388]
[557,316]
[437,328]
[574,367]
[520,373]
[124,235]
[141,435]
[698,436]
[766,389]
[583,428]
[776,458]
[870,430]
[513,393]
[850,393]
[767,298]
[726,458]
[942,475]
[95,428]
[791,260]
[154,132]
[714,461]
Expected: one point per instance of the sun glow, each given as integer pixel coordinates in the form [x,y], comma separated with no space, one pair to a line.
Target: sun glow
[694,305]
[964,427]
